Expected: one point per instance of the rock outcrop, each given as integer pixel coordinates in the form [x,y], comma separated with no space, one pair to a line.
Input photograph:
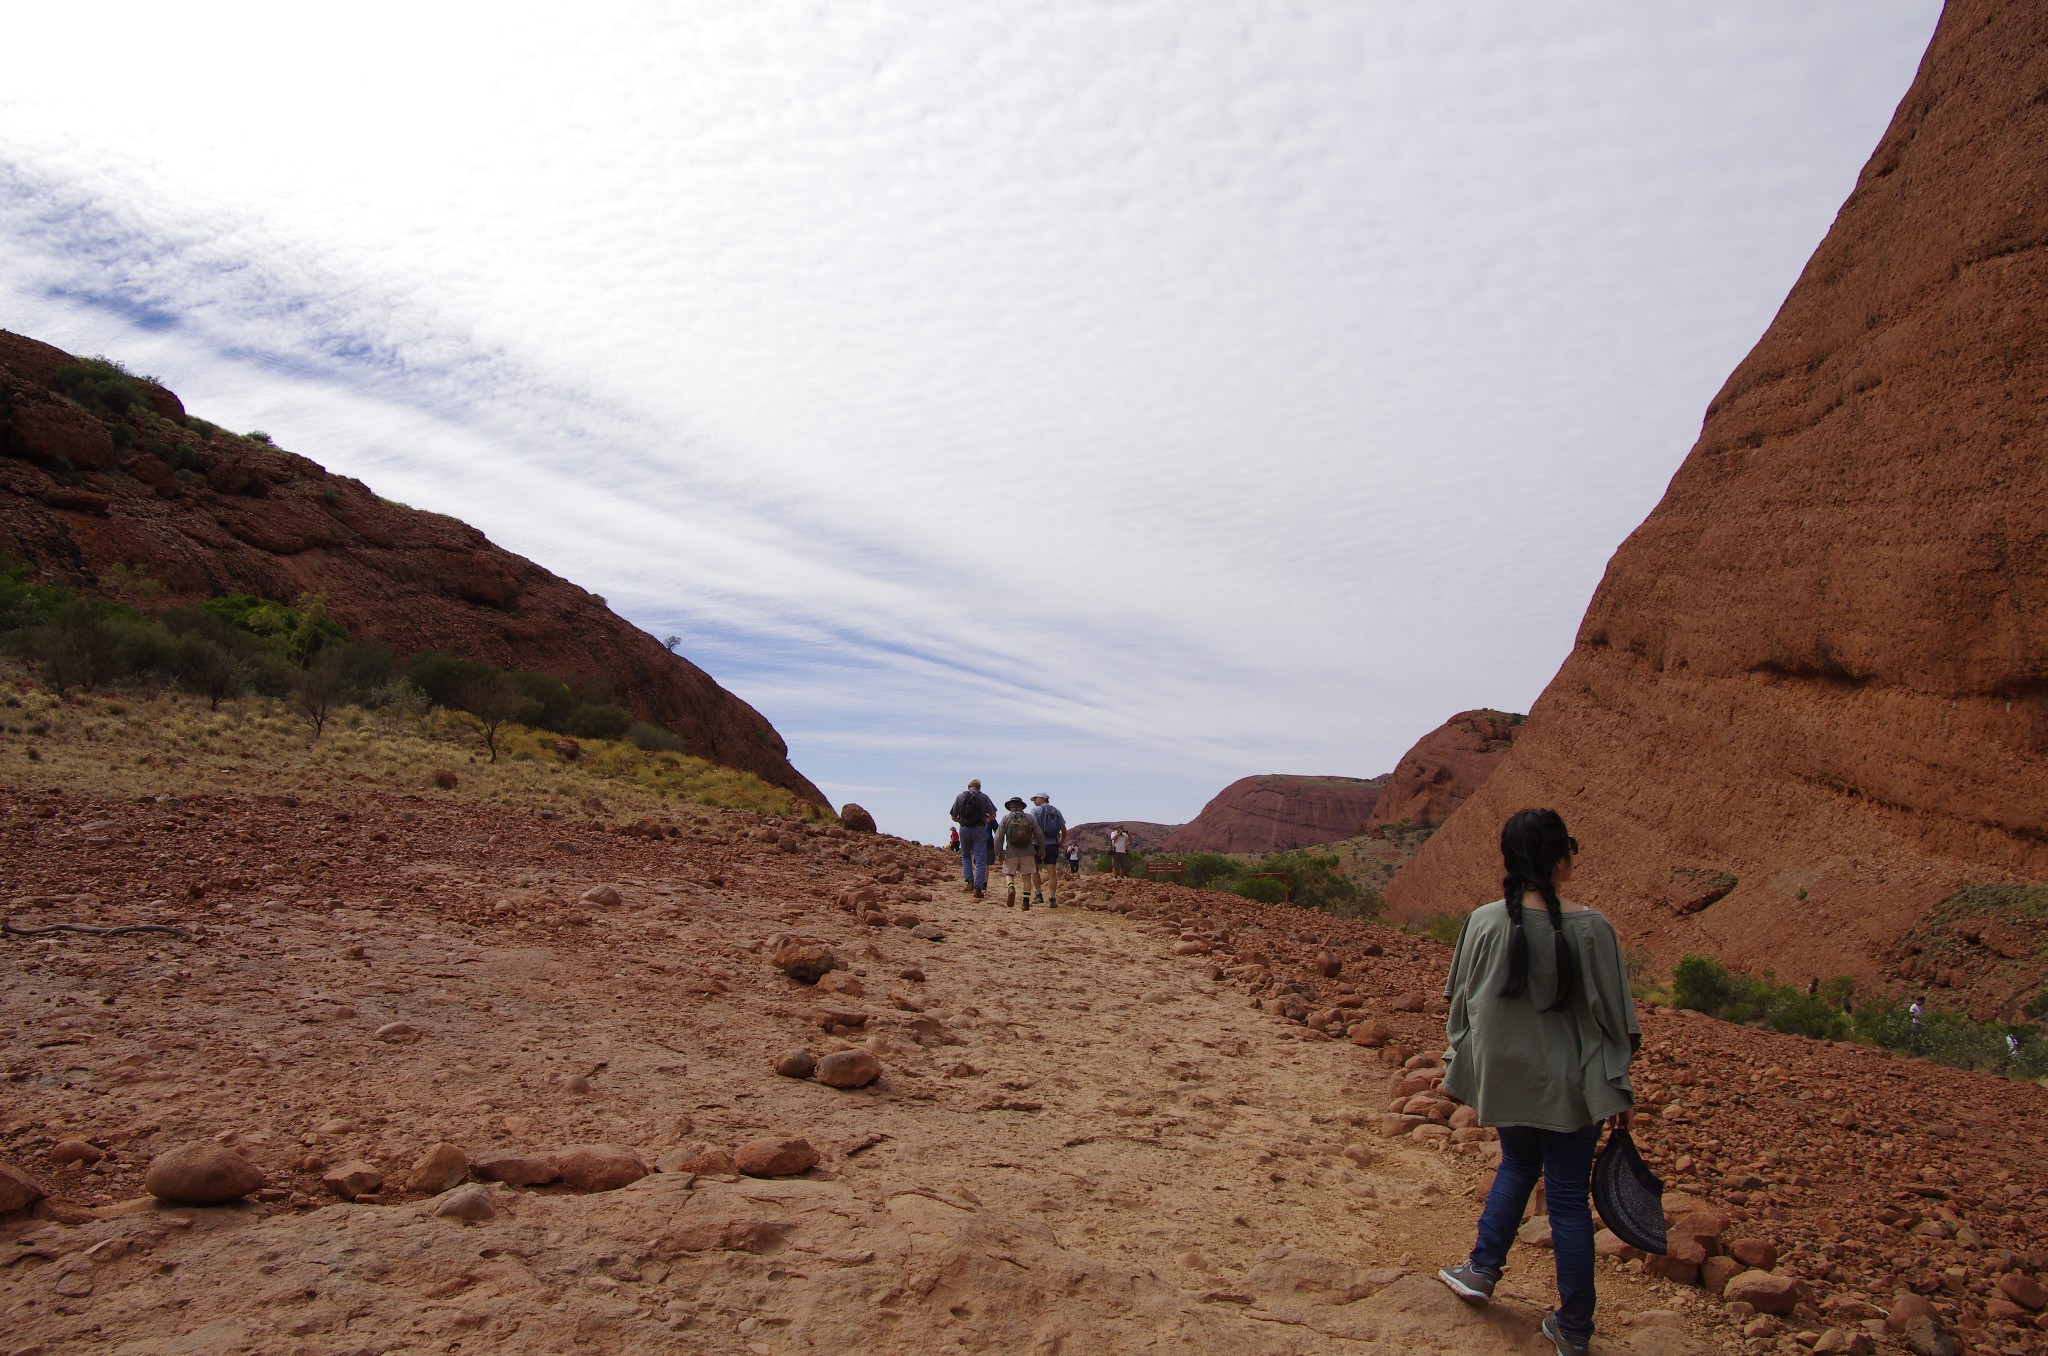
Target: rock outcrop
[203,513]
[1272,813]
[1443,769]
[1815,680]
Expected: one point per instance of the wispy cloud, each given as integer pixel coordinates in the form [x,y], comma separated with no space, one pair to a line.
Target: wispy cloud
[1121,399]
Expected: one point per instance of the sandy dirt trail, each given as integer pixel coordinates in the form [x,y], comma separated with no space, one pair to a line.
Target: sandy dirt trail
[1079,1143]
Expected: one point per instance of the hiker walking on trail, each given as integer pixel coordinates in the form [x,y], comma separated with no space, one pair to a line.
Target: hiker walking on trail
[972,811]
[1023,844]
[1073,859]
[1541,1031]
[1053,825]
[1119,852]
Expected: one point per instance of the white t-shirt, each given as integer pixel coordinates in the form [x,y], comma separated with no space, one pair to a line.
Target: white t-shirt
[1119,842]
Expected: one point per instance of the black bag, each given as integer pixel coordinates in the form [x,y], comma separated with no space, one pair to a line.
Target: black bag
[1630,1197]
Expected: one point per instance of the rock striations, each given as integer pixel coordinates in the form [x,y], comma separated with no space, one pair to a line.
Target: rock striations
[204,513]
[1272,813]
[1810,697]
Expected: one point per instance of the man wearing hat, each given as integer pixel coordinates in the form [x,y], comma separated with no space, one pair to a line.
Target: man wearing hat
[1053,825]
[972,811]
[1023,844]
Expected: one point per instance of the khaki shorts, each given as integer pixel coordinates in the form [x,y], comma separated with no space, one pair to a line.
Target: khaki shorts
[1020,863]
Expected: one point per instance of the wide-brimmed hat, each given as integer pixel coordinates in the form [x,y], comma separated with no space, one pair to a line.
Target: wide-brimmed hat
[1014,803]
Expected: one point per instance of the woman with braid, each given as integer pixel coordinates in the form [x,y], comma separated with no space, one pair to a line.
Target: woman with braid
[1542,1028]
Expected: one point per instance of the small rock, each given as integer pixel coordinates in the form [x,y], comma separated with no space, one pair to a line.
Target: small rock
[911,973]
[796,1064]
[804,962]
[514,1169]
[848,1069]
[855,819]
[600,1167]
[18,1190]
[840,982]
[930,932]
[446,779]
[1924,1337]
[1372,1033]
[1758,1253]
[604,896]
[1408,1002]
[472,1204]
[76,1151]
[438,1169]
[398,1033]
[201,1173]
[775,1157]
[1535,1233]
[353,1179]
[705,1161]
[1716,1272]
[1767,1291]
[2022,1290]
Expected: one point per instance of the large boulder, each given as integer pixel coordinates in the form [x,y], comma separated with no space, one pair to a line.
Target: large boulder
[855,819]
[1811,678]
[201,1173]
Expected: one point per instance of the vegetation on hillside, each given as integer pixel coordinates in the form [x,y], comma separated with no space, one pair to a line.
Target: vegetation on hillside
[295,662]
[1315,879]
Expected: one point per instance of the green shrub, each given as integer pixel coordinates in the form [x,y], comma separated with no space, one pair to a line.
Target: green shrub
[654,739]
[1702,984]
[100,383]
[599,722]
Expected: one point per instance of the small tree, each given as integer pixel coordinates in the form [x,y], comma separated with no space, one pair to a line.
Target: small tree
[317,689]
[496,700]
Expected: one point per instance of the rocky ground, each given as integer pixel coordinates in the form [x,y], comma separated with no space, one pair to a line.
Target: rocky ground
[1131,1124]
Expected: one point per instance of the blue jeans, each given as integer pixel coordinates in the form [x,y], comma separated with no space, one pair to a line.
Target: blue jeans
[974,855]
[1564,1160]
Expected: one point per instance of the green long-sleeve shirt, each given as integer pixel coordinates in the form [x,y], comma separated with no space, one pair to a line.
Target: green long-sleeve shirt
[1517,1065]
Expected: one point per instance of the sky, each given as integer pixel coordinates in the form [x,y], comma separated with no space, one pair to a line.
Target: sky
[1108,399]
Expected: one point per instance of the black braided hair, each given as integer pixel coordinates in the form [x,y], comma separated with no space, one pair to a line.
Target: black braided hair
[1532,843]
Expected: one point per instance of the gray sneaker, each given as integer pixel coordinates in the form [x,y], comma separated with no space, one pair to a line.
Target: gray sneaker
[1565,1345]
[1468,1282]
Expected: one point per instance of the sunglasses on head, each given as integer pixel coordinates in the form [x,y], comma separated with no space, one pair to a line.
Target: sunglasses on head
[1571,845]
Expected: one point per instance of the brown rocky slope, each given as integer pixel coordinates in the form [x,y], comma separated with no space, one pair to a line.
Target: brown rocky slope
[1272,813]
[205,513]
[1810,697]
[1443,769]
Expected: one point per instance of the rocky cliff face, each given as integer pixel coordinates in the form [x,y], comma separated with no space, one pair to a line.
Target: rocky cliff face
[1443,769]
[1272,813]
[1810,697]
[85,487]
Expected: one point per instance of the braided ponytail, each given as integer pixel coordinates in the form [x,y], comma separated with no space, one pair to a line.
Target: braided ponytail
[1518,943]
[1532,843]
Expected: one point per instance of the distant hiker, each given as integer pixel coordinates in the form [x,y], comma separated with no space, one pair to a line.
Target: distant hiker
[1073,859]
[953,840]
[972,811]
[1119,852]
[1023,844]
[1813,986]
[2012,1046]
[1541,1031]
[1914,1012]
[1053,825]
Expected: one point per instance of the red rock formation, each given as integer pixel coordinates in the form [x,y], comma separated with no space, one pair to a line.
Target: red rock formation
[1272,813]
[206,513]
[1820,668]
[1444,768]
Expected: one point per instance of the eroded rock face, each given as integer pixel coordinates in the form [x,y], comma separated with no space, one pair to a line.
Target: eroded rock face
[1273,812]
[1817,673]
[206,514]
[1444,768]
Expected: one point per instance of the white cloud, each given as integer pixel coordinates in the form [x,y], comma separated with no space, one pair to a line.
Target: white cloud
[1121,398]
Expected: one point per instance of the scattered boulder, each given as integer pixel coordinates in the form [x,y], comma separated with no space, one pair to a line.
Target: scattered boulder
[804,962]
[848,1069]
[796,1064]
[446,779]
[398,1033]
[516,1169]
[599,1167]
[352,1179]
[472,1204]
[705,1161]
[76,1151]
[604,896]
[201,1172]
[1765,1291]
[1716,1272]
[1371,1033]
[438,1169]
[840,982]
[775,1157]
[2022,1290]
[930,932]
[1759,1254]
[18,1190]
[855,819]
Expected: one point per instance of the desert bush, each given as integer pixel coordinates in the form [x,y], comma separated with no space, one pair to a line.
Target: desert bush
[1702,984]
[655,739]
[101,384]
[598,722]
